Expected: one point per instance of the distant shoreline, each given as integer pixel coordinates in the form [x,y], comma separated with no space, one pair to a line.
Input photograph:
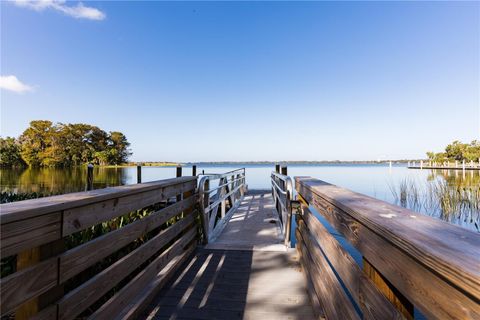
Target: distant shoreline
[170,164]
[234,163]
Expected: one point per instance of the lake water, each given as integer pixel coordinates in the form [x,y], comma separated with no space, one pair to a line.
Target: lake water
[377,180]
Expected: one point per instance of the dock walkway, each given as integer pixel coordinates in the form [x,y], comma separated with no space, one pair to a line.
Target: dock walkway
[205,248]
[247,273]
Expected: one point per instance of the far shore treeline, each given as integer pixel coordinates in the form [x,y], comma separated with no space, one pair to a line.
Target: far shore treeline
[45,144]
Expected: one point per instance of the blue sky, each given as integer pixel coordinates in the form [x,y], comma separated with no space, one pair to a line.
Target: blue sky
[248,81]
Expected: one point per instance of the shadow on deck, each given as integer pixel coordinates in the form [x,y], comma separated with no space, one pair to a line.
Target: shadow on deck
[224,284]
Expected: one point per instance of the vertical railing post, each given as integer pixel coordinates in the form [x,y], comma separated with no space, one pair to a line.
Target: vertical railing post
[277,168]
[31,257]
[237,193]
[285,170]
[179,174]
[232,187]
[206,203]
[139,173]
[194,170]
[222,192]
[89,177]
[288,225]
[389,291]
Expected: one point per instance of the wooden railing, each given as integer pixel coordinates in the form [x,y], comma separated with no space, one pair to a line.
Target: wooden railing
[95,254]
[217,203]
[409,260]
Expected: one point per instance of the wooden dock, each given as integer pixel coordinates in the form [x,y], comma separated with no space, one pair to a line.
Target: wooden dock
[202,247]
[254,226]
[471,165]
[444,168]
[247,273]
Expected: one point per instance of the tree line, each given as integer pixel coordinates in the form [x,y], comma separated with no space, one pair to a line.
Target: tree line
[457,151]
[47,144]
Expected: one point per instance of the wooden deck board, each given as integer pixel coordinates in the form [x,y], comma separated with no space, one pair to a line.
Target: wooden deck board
[253,226]
[245,274]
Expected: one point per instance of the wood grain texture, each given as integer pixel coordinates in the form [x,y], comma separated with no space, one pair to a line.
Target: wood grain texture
[28,226]
[254,225]
[83,296]
[78,259]
[21,210]
[398,300]
[433,242]
[317,306]
[28,233]
[433,292]
[79,218]
[329,291]
[49,313]
[131,299]
[32,257]
[235,284]
[373,303]
[23,285]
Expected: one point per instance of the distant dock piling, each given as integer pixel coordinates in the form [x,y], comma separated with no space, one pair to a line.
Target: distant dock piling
[90,177]
[139,173]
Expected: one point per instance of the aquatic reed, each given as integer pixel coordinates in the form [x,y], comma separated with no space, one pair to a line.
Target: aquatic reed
[438,198]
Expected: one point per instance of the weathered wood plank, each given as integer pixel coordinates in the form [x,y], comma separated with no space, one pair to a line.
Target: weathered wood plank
[452,251]
[79,218]
[49,313]
[329,290]
[83,296]
[78,259]
[21,210]
[21,286]
[26,259]
[427,290]
[372,302]
[317,306]
[25,234]
[397,299]
[132,299]
[29,258]
[225,294]
[270,287]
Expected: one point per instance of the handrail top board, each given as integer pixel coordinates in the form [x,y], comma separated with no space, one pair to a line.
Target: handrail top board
[447,249]
[15,211]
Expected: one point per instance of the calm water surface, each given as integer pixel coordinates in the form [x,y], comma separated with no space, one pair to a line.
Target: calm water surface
[376,180]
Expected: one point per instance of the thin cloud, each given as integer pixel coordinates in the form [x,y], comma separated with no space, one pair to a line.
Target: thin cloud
[79,11]
[11,83]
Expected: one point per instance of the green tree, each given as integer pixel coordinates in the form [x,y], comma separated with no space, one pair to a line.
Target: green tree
[456,150]
[430,155]
[35,140]
[472,152]
[45,144]
[119,148]
[10,153]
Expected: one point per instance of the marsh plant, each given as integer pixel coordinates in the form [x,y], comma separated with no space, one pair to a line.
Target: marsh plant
[457,202]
